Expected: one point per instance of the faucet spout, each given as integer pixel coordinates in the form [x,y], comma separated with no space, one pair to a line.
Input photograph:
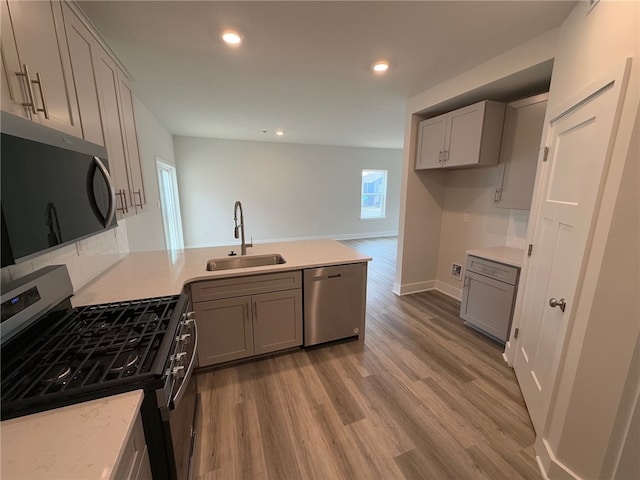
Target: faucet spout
[243,246]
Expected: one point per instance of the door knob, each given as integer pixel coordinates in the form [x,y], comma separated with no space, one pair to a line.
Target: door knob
[562,303]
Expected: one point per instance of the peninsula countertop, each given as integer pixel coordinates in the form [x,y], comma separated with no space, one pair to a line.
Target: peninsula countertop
[159,273]
[80,441]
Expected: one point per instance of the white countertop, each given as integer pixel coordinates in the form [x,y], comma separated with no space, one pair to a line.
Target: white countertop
[153,274]
[82,441]
[507,255]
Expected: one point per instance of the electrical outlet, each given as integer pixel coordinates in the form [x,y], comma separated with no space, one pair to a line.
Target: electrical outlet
[465,218]
[456,271]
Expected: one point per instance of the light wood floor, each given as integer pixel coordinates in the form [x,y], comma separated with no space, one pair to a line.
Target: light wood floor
[424,398]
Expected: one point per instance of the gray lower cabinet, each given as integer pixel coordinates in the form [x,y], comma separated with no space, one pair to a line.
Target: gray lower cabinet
[225,329]
[134,464]
[488,296]
[245,316]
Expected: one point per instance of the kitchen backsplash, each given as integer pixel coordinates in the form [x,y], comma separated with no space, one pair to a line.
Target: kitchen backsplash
[517,229]
[85,259]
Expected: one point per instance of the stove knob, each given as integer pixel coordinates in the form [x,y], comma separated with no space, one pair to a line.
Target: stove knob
[178,356]
[183,338]
[189,318]
[178,371]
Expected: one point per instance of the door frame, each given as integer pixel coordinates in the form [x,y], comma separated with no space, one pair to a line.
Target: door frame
[615,80]
[619,76]
[163,165]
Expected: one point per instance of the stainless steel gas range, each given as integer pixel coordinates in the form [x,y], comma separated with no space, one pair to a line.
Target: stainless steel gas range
[55,355]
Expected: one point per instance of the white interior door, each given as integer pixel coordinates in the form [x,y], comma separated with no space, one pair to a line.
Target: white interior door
[579,139]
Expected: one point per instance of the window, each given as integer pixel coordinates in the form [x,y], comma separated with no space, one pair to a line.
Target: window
[374,194]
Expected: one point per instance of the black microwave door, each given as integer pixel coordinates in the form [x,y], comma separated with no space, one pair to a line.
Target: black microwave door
[45,199]
[5,246]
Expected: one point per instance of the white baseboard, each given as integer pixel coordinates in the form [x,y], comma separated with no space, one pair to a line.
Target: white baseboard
[449,290]
[409,288]
[550,466]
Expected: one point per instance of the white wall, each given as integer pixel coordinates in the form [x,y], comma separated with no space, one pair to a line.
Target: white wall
[288,191]
[597,383]
[145,230]
[85,259]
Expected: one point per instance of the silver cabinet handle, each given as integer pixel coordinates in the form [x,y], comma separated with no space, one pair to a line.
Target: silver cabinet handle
[31,103]
[44,108]
[137,192]
[562,303]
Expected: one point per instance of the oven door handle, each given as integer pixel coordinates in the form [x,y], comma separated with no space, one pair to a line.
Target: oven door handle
[187,376]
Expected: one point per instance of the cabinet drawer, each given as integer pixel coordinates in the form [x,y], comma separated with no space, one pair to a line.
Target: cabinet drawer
[488,268]
[249,285]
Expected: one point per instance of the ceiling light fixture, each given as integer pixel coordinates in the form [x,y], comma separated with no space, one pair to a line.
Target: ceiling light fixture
[381,66]
[231,38]
[280,132]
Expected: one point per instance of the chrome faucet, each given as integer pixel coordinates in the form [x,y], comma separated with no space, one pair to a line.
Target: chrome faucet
[243,246]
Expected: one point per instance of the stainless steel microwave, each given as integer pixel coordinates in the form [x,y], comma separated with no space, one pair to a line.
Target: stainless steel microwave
[56,189]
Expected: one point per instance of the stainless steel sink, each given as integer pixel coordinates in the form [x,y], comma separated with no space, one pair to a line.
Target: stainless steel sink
[228,263]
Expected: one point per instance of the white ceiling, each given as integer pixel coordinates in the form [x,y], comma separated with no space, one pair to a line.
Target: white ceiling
[304,66]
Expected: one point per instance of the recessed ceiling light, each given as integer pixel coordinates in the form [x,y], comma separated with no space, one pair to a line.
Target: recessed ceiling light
[231,38]
[381,66]
[280,132]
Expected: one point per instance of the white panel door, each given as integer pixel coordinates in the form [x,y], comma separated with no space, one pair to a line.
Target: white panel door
[579,138]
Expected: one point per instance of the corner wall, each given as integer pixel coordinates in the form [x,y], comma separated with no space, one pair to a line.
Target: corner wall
[288,191]
[145,230]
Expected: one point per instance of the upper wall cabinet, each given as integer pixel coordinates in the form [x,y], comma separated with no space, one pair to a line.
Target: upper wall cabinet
[37,80]
[56,71]
[523,124]
[466,137]
[83,51]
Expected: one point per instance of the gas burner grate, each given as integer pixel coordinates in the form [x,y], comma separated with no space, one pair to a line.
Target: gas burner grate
[92,347]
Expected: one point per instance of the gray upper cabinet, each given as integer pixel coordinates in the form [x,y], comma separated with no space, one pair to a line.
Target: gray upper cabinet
[38,83]
[431,140]
[83,50]
[523,124]
[466,137]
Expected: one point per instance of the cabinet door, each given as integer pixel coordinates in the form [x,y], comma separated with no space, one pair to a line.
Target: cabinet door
[431,136]
[277,321]
[13,88]
[136,185]
[523,123]
[487,304]
[110,113]
[82,50]
[39,37]
[464,135]
[225,330]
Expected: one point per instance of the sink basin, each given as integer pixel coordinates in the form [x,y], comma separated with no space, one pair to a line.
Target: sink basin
[228,263]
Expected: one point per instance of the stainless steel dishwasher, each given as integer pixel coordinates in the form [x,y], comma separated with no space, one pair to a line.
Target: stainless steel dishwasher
[334,302]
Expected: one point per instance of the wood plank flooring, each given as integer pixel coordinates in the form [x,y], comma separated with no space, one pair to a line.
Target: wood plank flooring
[423,398]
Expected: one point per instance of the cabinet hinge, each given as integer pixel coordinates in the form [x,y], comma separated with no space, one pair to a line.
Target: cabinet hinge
[529,250]
[498,195]
[515,333]
[546,154]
